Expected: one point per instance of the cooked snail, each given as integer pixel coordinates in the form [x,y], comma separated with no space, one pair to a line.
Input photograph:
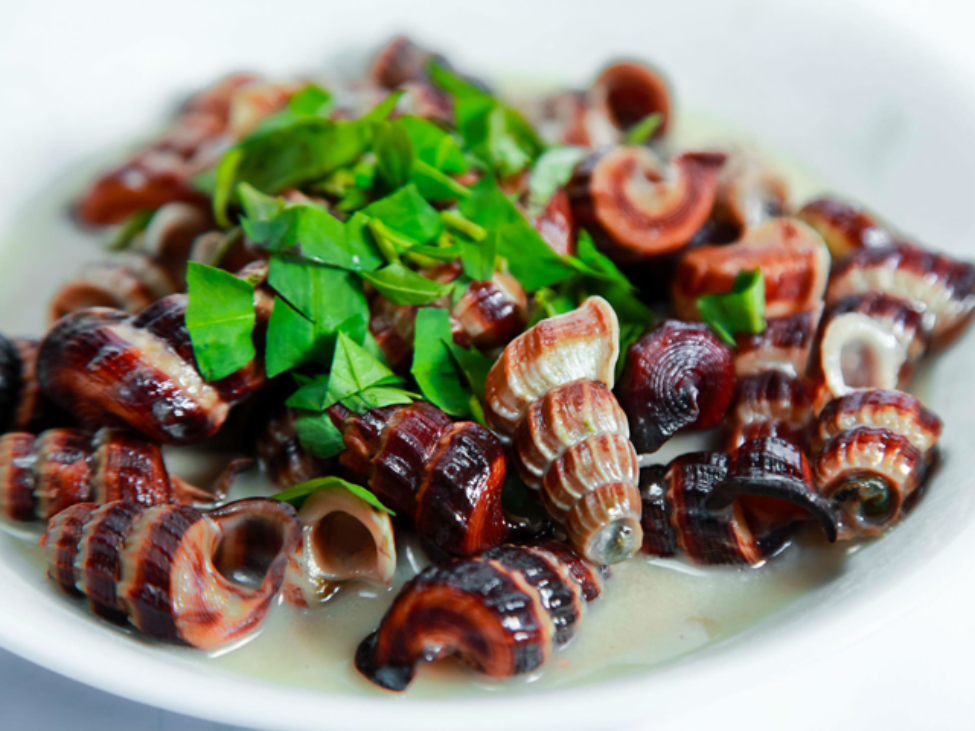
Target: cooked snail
[677,376]
[550,392]
[502,613]
[770,404]
[845,228]
[176,574]
[784,345]
[23,406]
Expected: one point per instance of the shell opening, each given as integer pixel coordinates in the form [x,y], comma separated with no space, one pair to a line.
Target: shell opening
[343,546]
[247,548]
[868,500]
[615,542]
[858,352]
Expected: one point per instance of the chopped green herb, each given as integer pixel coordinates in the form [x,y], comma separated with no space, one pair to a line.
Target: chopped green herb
[434,146]
[132,227]
[354,370]
[551,171]
[406,212]
[394,154]
[403,286]
[643,130]
[479,259]
[531,260]
[742,310]
[220,320]
[318,434]
[434,367]
[313,100]
[302,491]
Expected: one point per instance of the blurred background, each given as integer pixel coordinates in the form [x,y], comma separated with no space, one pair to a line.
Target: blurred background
[33,698]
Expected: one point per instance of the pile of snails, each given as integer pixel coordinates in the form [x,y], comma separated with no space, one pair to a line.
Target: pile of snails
[807,420]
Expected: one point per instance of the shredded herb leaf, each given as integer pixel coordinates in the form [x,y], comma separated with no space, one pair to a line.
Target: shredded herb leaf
[643,130]
[403,286]
[742,310]
[551,171]
[220,320]
[299,493]
[407,213]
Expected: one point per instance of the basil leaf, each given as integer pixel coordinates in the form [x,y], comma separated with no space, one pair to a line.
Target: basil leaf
[318,434]
[312,393]
[220,320]
[434,367]
[740,310]
[226,173]
[593,263]
[549,303]
[531,260]
[435,185]
[130,228]
[353,370]
[473,365]
[313,100]
[376,397]
[404,286]
[551,171]
[299,492]
[479,259]
[406,212]
[643,130]
[433,146]
[394,154]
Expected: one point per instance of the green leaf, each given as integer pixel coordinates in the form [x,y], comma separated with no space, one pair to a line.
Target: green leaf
[406,212]
[313,100]
[434,146]
[740,310]
[530,259]
[551,171]
[434,367]
[549,303]
[354,370]
[435,185]
[403,286]
[299,492]
[130,228]
[376,397]
[220,320]
[643,130]
[318,434]
[479,259]
[224,184]
[473,365]
[394,154]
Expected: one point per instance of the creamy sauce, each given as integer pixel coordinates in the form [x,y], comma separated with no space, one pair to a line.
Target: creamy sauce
[652,612]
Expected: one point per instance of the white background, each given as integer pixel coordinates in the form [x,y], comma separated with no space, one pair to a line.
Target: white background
[905,696]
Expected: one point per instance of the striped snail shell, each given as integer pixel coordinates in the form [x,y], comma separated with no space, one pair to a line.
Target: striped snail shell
[550,392]
[502,613]
[175,573]
[23,406]
[42,475]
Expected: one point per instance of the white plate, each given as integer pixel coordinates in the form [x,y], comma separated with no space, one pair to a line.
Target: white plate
[866,112]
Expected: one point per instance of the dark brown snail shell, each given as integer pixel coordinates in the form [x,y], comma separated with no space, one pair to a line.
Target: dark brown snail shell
[868,473]
[634,208]
[41,476]
[792,257]
[941,287]
[845,227]
[161,173]
[771,477]
[445,477]
[399,62]
[677,376]
[501,613]
[677,517]
[280,454]
[770,404]
[23,406]
[176,574]
[107,367]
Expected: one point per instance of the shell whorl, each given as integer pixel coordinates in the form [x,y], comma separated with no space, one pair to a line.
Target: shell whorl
[175,573]
[501,613]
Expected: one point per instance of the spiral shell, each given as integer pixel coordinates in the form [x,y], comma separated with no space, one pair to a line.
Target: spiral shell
[869,473]
[280,454]
[554,223]
[749,192]
[501,613]
[107,367]
[344,538]
[41,476]
[845,228]
[636,209]
[784,345]
[23,406]
[176,574]
[444,476]
[941,287]
[677,376]
[792,257]
[582,344]
[770,404]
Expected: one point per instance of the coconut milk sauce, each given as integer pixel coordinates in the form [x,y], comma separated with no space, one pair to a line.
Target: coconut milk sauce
[653,610]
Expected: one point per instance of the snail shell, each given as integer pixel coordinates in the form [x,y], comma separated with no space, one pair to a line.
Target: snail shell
[446,477]
[176,574]
[41,476]
[23,406]
[555,224]
[582,344]
[108,367]
[784,345]
[770,404]
[281,455]
[941,287]
[344,538]
[793,259]
[868,473]
[637,210]
[501,613]
[677,376]
[550,390]
[845,228]
[749,192]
